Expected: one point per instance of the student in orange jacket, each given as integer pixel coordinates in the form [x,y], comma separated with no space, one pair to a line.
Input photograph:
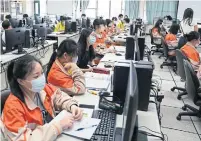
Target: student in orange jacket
[63,71]
[30,108]
[171,38]
[189,49]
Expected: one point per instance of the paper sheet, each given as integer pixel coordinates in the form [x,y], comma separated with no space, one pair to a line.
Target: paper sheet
[86,122]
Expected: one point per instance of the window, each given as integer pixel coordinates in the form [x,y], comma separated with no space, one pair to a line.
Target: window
[103,8]
[116,7]
[91,9]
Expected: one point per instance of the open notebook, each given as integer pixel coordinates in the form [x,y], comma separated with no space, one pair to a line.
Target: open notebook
[83,129]
[97,81]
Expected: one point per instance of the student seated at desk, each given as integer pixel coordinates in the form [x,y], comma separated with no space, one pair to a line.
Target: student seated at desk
[156,30]
[98,30]
[29,110]
[110,29]
[120,24]
[86,53]
[62,70]
[6,26]
[189,49]
[171,38]
[60,26]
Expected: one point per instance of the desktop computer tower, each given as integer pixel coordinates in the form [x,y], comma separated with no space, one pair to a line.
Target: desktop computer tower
[131,29]
[27,39]
[141,44]
[144,75]
[73,26]
[130,48]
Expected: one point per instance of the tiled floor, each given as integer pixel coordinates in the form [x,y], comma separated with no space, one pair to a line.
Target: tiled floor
[189,128]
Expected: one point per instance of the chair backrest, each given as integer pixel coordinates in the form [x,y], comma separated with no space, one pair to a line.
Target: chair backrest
[4,96]
[192,82]
[180,64]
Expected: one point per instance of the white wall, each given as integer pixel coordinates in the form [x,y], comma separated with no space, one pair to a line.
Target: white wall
[60,7]
[29,7]
[43,7]
[194,4]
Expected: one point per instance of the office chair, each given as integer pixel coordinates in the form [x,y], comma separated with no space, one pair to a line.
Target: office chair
[181,72]
[194,92]
[169,60]
[4,96]
[155,46]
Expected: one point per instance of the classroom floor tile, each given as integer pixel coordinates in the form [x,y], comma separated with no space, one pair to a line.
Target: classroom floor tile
[163,75]
[169,120]
[167,85]
[175,135]
[170,99]
[188,128]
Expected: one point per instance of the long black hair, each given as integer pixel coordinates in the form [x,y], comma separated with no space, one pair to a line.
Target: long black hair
[188,16]
[69,46]
[82,43]
[108,21]
[157,24]
[19,69]
[97,23]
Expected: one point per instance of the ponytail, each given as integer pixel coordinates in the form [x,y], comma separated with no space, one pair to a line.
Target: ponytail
[52,59]
[13,83]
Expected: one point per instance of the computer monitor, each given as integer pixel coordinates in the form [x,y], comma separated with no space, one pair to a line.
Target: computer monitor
[15,39]
[130,48]
[84,23]
[67,26]
[137,50]
[41,31]
[14,22]
[88,23]
[38,20]
[131,105]
[29,22]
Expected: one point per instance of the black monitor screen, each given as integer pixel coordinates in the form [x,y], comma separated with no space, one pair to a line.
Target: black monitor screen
[130,105]
[14,37]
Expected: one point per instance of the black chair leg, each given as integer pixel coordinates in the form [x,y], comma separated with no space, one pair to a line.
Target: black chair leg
[178,88]
[194,112]
[181,94]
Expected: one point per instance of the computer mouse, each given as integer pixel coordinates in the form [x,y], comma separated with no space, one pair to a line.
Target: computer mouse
[104,93]
[118,54]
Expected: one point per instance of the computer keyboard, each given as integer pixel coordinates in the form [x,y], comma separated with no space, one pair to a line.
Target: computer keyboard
[106,129]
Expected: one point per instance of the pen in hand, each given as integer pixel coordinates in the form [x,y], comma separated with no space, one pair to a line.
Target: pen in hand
[80,129]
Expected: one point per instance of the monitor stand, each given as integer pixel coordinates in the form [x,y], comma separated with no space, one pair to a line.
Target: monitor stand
[20,50]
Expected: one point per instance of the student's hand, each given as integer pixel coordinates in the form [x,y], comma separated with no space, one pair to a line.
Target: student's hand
[76,112]
[67,122]
[90,69]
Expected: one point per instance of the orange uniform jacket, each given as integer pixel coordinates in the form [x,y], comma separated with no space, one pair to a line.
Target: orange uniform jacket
[155,32]
[23,121]
[191,52]
[72,84]
[170,37]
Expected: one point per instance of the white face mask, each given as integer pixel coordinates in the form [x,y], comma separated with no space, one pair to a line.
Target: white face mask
[196,45]
[92,39]
[75,59]
[38,84]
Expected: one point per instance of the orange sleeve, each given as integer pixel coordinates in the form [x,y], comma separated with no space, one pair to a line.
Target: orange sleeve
[60,79]
[167,38]
[190,53]
[13,118]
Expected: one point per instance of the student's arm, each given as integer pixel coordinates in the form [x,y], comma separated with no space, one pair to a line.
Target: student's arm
[196,28]
[16,127]
[77,76]
[63,101]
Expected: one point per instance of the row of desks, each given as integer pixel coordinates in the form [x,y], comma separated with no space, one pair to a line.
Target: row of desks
[147,119]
